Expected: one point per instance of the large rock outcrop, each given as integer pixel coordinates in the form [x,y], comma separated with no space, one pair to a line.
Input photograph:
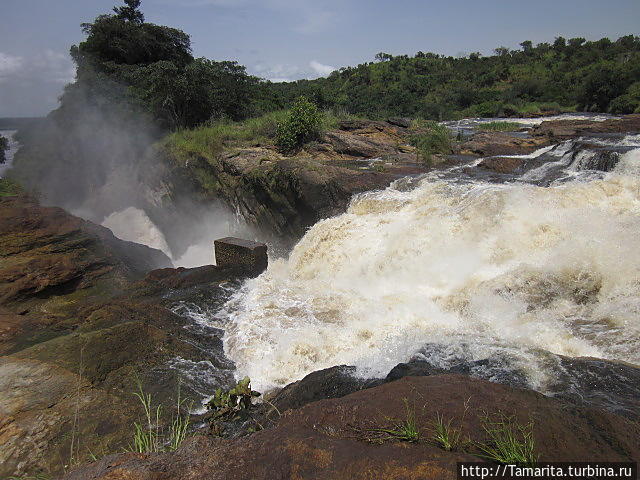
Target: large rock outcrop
[82,323]
[340,438]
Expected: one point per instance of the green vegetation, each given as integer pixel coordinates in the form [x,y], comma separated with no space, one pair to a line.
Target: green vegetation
[149,436]
[549,77]
[509,441]
[430,138]
[9,188]
[234,401]
[446,436]
[500,126]
[4,145]
[405,430]
[301,125]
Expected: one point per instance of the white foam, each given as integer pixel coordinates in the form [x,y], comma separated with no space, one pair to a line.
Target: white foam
[513,268]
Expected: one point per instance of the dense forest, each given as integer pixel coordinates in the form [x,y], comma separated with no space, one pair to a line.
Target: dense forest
[574,74]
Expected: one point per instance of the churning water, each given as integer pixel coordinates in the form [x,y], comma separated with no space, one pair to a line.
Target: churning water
[508,270]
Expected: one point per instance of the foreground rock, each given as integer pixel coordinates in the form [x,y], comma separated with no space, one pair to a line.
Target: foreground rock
[82,325]
[337,439]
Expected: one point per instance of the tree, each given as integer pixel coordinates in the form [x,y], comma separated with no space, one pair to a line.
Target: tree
[130,12]
[383,57]
[527,46]
[502,51]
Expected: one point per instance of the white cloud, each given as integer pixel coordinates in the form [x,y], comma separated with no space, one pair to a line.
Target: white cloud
[47,66]
[321,69]
[9,65]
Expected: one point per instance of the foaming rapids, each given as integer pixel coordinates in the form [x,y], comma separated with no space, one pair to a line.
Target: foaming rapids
[509,271]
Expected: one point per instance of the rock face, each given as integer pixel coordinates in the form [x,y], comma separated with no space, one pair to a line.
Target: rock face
[337,438]
[81,324]
[286,195]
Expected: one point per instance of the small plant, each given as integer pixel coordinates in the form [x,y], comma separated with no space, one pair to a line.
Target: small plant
[229,403]
[149,437]
[445,435]
[406,430]
[509,441]
[300,126]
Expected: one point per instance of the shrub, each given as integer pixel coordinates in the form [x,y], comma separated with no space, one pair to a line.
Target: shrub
[430,138]
[9,188]
[300,126]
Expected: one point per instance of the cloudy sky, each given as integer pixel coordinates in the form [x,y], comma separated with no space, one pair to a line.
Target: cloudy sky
[291,39]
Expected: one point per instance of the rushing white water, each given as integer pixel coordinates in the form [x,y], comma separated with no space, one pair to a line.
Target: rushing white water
[13,148]
[528,122]
[482,269]
[134,225]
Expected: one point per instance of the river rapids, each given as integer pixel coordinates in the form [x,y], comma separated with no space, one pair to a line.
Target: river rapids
[458,265]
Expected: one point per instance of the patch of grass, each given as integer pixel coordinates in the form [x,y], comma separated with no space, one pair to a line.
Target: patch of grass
[149,436]
[406,430]
[500,126]
[508,440]
[430,138]
[446,436]
[208,140]
[9,188]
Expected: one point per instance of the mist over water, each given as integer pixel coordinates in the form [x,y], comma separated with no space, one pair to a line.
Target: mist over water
[482,270]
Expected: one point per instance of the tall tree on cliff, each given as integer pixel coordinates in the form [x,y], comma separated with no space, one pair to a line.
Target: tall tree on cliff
[130,12]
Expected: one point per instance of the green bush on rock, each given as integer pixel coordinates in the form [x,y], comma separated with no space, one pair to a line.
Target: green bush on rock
[300,126]
[233,401]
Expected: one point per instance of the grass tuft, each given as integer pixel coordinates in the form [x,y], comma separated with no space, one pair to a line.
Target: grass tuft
[406,430]
[509,441]
[149,436]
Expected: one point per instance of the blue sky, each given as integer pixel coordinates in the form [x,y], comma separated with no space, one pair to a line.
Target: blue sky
[291,39]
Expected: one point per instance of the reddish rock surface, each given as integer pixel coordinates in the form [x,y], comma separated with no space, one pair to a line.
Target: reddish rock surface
[333,439]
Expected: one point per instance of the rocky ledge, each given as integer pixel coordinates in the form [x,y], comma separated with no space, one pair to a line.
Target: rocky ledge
[345,438]
[83,322]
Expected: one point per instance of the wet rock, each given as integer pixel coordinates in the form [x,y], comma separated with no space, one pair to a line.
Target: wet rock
[505,165]
[331,382]
[236,252]
[329,439]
